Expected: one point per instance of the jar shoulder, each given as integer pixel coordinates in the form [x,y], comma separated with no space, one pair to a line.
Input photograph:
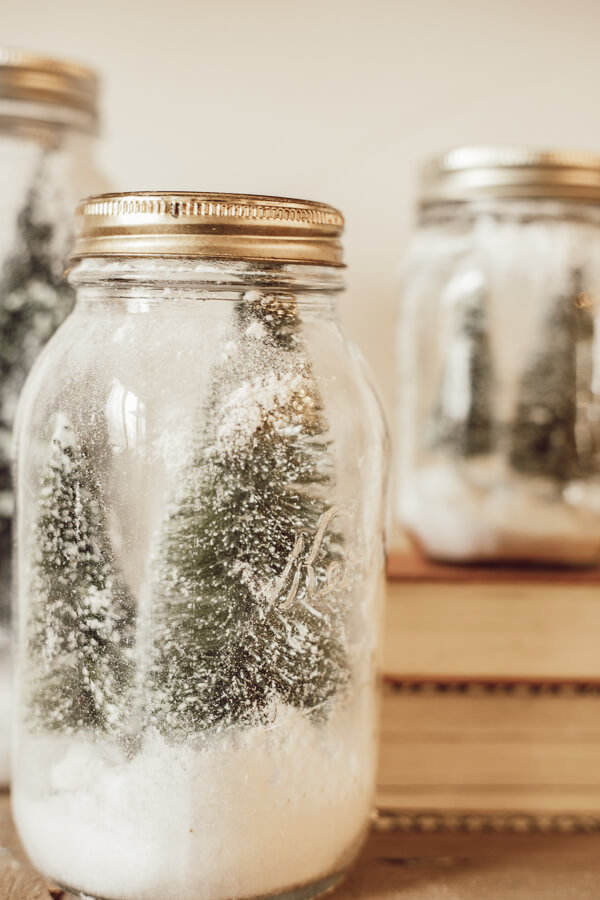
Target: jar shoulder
[170,360]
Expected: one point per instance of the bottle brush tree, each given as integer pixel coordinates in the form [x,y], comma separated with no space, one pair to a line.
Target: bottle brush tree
[243,613]
[543,435]
[34,299]
[80,621]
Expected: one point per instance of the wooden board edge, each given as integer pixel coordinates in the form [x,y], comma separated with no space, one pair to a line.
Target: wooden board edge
[490,684]
[472,822]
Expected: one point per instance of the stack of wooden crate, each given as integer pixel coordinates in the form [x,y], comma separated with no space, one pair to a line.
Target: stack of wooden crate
[491,706]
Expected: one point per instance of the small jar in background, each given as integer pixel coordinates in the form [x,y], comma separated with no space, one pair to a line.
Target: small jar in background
[48,123]
[200,505]
[499,360]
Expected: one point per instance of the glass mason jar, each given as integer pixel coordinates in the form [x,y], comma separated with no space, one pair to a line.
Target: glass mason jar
[47,126]
[499,368]
[201,469]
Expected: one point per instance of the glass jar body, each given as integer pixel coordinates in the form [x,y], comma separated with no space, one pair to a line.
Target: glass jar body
[45,166]
[498,361]
[200,446]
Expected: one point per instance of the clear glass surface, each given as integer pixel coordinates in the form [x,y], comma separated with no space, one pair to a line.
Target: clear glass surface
[45,166]
[202,463]
[499,381]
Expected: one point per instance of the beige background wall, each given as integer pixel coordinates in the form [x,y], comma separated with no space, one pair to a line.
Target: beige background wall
[326,99]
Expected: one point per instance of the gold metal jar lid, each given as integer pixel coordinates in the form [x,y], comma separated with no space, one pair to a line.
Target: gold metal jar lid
[467,173]
[203,225]
[49,82]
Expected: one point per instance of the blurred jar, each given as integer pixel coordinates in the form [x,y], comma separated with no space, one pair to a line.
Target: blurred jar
[48,123]
[201,471]
[499,361]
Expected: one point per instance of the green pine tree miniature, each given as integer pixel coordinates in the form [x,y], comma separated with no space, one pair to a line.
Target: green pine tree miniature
[587,426]
[243,616]
[34,299]
[543,434]
[463,422]
[81,619]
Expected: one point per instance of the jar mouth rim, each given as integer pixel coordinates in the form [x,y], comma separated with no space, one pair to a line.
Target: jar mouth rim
[49,89]
[211,225]
[470,172]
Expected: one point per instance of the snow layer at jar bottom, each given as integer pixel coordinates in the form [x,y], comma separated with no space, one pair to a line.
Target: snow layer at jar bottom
[251,813]
[475,510]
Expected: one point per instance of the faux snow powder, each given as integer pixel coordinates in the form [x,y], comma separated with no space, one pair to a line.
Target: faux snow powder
[252,812]
[283,398]
[464,512]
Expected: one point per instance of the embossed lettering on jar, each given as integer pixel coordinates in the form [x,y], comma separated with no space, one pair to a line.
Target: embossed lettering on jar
[200,512]
[499,410]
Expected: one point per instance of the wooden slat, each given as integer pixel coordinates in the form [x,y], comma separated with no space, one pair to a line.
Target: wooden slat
[490,752]
[411,565]
[493,631]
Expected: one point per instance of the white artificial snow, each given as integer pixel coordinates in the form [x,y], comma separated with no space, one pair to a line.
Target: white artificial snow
[229,351]
[457,513]
[248,813]
[264,396]
[256,330]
